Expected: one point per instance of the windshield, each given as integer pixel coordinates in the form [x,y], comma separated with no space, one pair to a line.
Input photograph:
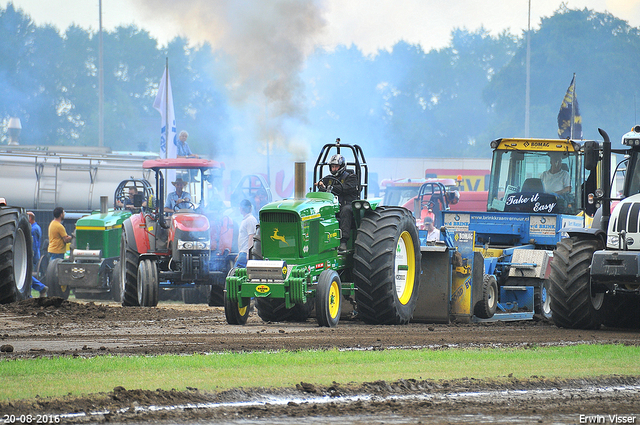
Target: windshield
[543,182]
[399,195]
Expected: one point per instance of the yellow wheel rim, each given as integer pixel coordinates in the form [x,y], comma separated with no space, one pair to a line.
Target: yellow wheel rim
[334,299]
[242,310]
[405,268]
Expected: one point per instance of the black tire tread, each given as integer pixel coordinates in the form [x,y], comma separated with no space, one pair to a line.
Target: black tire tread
[11,220]
[129,259]
[485,308]
[374,263]
[622,311]
[569,288]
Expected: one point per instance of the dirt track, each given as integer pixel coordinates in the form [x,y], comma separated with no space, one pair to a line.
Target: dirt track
[52,327]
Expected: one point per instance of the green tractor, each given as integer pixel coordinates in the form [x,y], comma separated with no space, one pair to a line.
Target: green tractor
[295,266]
[92,269]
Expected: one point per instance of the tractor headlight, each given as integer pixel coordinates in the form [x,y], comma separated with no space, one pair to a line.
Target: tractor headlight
[359,205]
[194,245]
[613,241]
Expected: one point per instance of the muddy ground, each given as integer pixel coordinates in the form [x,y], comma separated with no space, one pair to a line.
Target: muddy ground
[53,327]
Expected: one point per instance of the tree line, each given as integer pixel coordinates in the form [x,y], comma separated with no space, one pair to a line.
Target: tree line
[406,102]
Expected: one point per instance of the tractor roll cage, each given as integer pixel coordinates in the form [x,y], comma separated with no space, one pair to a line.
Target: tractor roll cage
[358,164]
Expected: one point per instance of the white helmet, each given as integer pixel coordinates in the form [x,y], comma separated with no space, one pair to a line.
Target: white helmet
[337,159]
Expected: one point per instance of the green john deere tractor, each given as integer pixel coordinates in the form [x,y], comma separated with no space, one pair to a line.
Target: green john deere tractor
[92,269]
[295,266]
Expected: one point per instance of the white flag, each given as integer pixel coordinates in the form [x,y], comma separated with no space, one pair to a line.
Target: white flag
[164,105]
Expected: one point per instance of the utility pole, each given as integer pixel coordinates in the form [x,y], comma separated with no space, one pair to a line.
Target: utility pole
[100,82]
[528,87]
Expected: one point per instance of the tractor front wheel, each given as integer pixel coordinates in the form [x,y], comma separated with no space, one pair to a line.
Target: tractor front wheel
[572,303]
[387,266]
[128,272]
[115,282]
[486,307]
[148,283]
[622,311]
[53,281]
[328,299]
[234,314]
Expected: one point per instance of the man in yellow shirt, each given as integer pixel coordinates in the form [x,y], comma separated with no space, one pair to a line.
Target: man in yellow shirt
[58,237]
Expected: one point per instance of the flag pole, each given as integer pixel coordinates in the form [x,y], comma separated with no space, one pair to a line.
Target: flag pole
[166,114]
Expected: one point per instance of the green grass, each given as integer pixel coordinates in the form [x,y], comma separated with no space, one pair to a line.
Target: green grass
[24,379]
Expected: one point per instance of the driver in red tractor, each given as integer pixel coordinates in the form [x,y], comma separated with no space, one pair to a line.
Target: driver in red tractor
[177,198]
[344,184]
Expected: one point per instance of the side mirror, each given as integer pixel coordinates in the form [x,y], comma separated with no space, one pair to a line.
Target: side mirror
[591,155]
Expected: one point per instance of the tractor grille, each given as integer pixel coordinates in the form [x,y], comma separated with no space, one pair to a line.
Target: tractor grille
[628,218]
[278,217]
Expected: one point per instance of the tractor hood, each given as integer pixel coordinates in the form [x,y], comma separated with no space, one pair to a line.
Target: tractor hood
[624,225]
[189,222]
[294,229]
[314,205]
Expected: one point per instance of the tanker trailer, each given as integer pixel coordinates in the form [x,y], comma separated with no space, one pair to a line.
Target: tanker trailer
[73,177]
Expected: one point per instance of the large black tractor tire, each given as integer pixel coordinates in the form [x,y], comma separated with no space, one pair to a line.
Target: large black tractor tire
[486,307]
[274,310]
[55,288]
[115,282]
[234,314]
[129,258]
[199,294]
[216,296]
[328,299]
[148,285]
[622,311]
[572,303]
[387,266]
[16,255]
[41,267]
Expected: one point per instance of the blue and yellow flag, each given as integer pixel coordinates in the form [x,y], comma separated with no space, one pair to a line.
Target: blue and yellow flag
[570,114]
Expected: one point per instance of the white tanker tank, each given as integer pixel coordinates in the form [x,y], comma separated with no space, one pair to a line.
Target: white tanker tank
[40,178]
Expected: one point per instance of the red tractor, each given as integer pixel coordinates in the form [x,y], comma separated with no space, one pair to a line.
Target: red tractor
[187,247]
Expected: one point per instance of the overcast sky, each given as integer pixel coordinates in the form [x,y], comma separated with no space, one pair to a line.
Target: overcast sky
[369,24]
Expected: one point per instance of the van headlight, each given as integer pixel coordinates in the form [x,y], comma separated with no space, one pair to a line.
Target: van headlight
[194,245]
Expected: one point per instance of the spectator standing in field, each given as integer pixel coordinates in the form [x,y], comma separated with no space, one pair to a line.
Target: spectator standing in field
[433,234]
[58,238]
[36,236]
[246,233]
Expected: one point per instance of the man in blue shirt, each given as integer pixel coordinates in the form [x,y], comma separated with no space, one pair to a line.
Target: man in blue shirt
[178,198]
[182,147]
[36,236]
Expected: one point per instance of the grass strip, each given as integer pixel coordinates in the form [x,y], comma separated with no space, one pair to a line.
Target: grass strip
[26,379]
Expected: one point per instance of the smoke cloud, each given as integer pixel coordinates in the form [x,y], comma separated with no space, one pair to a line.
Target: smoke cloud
[266,42]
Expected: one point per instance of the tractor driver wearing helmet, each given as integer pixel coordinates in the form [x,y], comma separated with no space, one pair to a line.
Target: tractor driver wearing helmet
[347,191]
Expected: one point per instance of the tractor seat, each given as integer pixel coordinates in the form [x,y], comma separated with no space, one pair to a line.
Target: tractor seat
[532,185]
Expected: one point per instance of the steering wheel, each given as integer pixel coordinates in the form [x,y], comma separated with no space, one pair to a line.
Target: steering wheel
[335,179]
[191,206]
